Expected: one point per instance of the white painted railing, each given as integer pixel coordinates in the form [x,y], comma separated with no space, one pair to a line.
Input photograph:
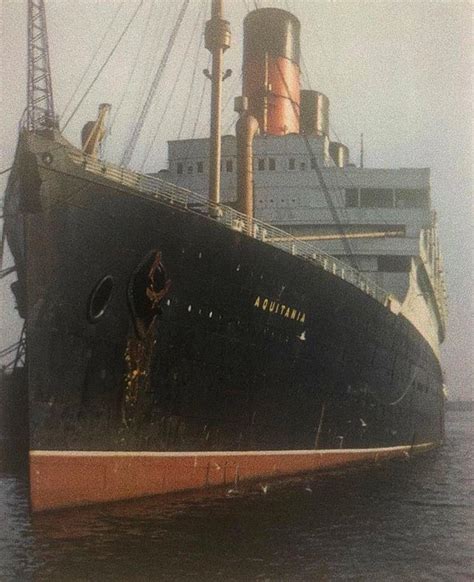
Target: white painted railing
[156,189]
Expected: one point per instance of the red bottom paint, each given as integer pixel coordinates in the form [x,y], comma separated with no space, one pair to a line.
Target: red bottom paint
[61,479]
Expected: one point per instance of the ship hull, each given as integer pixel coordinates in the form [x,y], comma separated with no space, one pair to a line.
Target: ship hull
[58,477]
[154,330]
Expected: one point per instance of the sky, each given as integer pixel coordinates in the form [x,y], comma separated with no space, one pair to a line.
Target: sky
[398,72]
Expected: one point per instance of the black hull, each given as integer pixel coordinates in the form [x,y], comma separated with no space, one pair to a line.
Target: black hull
[244,347]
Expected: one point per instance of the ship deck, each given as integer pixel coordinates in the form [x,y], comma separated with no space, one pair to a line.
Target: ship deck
[158,190]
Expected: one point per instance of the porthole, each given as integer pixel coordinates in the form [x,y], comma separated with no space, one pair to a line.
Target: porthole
[100,298]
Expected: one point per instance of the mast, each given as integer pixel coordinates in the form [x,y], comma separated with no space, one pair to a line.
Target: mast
[40,105]
[217,37]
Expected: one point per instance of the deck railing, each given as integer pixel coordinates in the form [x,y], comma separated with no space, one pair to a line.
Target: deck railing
[156,189]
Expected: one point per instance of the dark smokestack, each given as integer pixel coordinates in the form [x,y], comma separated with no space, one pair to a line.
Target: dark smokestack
[339,154]
[271,72]
[314,118]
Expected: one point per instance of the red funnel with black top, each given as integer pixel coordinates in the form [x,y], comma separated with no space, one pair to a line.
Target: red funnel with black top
[271,72]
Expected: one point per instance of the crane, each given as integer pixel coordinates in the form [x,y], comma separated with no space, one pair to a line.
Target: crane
[40,105]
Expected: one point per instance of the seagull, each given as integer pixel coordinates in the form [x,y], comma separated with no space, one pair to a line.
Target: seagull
[264,488]
[308,489]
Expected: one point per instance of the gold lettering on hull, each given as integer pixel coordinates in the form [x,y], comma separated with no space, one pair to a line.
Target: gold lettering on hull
[271,306]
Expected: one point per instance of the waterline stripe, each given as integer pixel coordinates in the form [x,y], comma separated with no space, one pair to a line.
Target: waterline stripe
[42,453]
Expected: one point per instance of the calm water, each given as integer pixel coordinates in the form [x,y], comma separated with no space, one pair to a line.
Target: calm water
[411,520]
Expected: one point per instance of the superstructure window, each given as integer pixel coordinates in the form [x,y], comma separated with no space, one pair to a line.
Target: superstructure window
[271,164]
[190,169]
[411,198]
[200,167]
[261,164]
[291,164]
[394,263]
[352,198]
[303,166]
[376,198]
[179,168]
[229,166]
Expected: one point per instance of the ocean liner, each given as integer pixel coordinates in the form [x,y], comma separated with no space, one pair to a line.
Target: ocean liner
[288,322]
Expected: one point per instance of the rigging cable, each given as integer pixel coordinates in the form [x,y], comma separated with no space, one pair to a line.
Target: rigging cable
[9,349]
[171,93]
[147,70]
[134,64]
[21,348]
[158,34]
[315,165]
[127,156]
[201,100]
[339,190]
[198,115]
[327,195]
[337,221]
[104,65]
[231,124]
[96,52]
[2,243]
[7,271]
[338,186]
[191,86]
[232,93]
[380,216]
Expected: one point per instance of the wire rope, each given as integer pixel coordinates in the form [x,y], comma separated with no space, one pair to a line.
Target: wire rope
[9,349]
[151,94]
[104,64]
[201,100]
[7,271]
[231,124]
[171,93]
[134,64]
[315,165]
[157,34]
[332,129]
[191,87]
[96,52]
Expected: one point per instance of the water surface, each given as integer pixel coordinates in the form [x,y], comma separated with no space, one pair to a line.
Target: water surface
[409,520]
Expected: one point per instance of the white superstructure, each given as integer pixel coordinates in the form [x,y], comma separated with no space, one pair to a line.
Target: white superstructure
[385,213]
